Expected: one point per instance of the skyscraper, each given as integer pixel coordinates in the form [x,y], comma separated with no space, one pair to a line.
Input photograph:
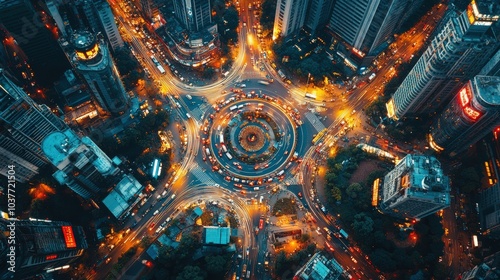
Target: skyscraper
[471,115]
[489,211]
[487,270]
[462,46]
[23,126]
[108,25]
[29,29]
[148,8]
[194,14]
[415,188]
[40,246]
[492,68]
[289,17]
[81,164]
[366,24]
[93,62]
[318,14]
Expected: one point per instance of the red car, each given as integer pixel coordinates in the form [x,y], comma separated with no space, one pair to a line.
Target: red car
[151,226]
[300,194]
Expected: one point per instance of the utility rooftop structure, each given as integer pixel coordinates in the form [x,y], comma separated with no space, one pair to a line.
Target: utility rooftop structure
[81,164]
[415,188]
[319,267]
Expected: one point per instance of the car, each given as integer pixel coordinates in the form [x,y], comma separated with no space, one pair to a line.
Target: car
[173,196]
[354,260]
[108,260]
[156,212]
[248,251]
[300,194]
[168,219]
[151,226]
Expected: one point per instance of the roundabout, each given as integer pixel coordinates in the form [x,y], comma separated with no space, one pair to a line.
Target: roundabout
[251,137]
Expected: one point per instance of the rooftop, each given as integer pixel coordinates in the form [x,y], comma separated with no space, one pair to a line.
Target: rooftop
[217,235]
[123,196]
[487,88]
[319,267]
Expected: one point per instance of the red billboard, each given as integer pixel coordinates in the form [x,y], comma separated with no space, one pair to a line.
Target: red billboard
[50,257]
[69,237]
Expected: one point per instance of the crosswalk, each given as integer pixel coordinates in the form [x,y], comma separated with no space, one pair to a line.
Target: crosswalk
[318,125]
[198,112]
[291,181]
[202,176]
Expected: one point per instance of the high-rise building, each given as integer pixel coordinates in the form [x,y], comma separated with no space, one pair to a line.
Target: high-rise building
[318,14]
[463,44]
[492,68]
[194,14]
[92,15]
[93,62]
[81,164]
[148,8]
[289,17]
[415,188]
[29,29]
[489,211]
[23,126]
[487,270]
[108,25]
[41,246]
[366,24]
[471,115]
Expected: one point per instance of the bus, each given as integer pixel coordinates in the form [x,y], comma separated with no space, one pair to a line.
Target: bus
[160,68]
[311,95]
[264,83]
[318,136]
[221,138]
[343,233]
[232,108]
[280,173]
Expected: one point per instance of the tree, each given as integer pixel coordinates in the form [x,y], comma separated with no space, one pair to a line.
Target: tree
[215,264]
[336,194]
[191,273]
[362,224]
[353,190]
[382,259]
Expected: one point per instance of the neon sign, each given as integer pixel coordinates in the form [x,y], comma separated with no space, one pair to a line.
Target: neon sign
[69,237]
[464,97]
[50,257]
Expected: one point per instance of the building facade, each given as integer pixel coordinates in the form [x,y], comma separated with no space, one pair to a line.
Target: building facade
[36,39]
[81,164]
[107,23]
[289,17]
[487,270]
[93,62]
[489,211]
[23,126]
[194,14]
[492,68]
[471,115]
[366,24]
[415,188]
[318,14]
[41,246]
[462,45]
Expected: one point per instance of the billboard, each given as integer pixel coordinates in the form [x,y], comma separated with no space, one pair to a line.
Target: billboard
[69,237]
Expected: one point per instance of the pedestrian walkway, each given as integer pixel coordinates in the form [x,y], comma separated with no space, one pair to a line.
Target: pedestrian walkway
[202,176]
[291,181]
[318,125]
[254,74]
[197,114]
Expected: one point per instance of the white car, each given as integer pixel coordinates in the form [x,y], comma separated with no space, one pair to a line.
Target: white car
[156,212]
[173,196]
